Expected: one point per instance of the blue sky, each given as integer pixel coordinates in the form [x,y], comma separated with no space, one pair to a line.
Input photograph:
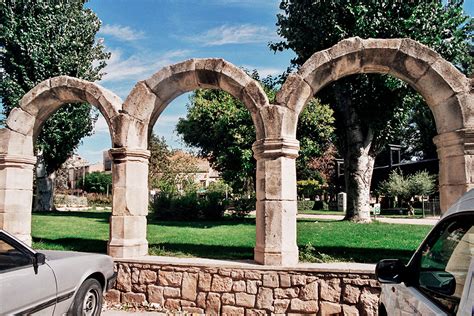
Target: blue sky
[144,36]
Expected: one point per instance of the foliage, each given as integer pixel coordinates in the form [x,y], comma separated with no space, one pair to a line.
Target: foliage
[308,188]
[96,182]
[243,205]
[304,205]
[43,39]
[230,134]
[190,204]
[98,199]
[407,187]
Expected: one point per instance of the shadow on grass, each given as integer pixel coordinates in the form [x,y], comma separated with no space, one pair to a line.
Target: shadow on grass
[203,251]
[73,244]
[362,255]
[202,223]
[102,216]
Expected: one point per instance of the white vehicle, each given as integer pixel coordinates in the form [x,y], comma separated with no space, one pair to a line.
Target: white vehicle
[51,282]
[439,279]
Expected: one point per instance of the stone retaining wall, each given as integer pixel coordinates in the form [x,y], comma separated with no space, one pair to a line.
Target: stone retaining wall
[246,289]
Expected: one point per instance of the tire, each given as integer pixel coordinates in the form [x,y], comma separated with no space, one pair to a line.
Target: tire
[88,299]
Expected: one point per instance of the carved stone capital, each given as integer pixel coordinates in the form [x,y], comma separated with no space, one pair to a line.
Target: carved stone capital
[7,160]
[123,154]
[272,148]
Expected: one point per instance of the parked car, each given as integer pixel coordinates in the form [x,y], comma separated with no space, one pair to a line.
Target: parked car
[51,282]
[439,279]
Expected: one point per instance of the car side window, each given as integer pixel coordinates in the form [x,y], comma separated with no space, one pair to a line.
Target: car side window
[11,258]
[445,262]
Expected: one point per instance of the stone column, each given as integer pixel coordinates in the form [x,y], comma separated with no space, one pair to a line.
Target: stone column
[276,201]
[129,204]
[456,165]
[16,194]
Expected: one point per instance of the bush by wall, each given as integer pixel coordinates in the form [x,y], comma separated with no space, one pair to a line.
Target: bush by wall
[304,205]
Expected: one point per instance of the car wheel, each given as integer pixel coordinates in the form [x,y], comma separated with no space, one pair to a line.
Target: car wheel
[88,300]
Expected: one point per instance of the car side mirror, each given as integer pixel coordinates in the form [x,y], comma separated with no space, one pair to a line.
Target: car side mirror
[390,271]
[38,259]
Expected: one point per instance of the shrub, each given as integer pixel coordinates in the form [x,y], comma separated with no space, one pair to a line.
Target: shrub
[97,199]
[320,205]
[304,205]
[96,182]
[243,206]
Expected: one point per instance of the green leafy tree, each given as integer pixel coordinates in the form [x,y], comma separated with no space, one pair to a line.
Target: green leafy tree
[373,110]
[230,133]
[97,182]
[407,187]
[40,40]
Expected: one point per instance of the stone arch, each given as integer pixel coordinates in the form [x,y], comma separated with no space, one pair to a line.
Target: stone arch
[23,125]
[448,93]
[47,97]
[149,97]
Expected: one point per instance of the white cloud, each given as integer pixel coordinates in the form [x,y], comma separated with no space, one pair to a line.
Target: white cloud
[239,34]
[138,67]
[265,71]
[168,120]
[122,33]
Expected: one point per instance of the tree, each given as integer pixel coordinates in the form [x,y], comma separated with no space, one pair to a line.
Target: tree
[43,39]
[407,187]
[230,133]
[97,182]
[371,110]
[170,170]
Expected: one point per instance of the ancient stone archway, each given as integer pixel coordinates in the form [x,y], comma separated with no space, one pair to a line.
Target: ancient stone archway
[447,92]
[140,111]
[24,123]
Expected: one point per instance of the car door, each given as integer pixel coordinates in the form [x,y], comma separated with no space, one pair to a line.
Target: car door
[22,289]
[438,272]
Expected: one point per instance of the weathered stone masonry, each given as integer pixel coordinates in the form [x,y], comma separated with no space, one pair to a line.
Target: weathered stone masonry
[253,290]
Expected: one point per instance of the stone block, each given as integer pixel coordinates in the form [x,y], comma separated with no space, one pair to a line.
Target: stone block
[228,299]
[112,297]
[16,145]
[128,236]
[252,286]
[155,294]
[255,312]
[171,292]
[133,298]
[265,298]
[330,309]
[124,282]
[201,299]
[281,306]
[285,280]
[147,277]
[350,294]
[221,284]
[172,304]
[21,122]
[239,286]
[300,306]
[295,93]
[166,278]
[237,275]
[254,97]
[298,279]
[204,281]
[244,299]
[141,102]
[232,310]
[18,222]
[348,310]
[270,280]
[213,304]
[15,176]
[369,299]
[189,286]
[287,293]
[193,310]
[379,54]
[310,291]
[331,290]
[253,275]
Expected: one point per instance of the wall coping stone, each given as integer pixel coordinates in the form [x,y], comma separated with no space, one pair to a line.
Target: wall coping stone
[336,267]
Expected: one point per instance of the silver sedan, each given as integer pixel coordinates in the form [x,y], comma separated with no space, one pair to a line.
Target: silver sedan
[51,282]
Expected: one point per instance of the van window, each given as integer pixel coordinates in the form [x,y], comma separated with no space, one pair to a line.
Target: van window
[445,262]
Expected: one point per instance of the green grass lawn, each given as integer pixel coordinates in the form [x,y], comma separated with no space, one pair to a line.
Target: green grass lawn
[230,239]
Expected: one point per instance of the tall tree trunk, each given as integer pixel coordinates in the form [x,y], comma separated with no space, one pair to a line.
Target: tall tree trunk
[44,187]
[358,168]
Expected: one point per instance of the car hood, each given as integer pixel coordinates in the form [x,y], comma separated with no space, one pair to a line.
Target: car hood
[59,254]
